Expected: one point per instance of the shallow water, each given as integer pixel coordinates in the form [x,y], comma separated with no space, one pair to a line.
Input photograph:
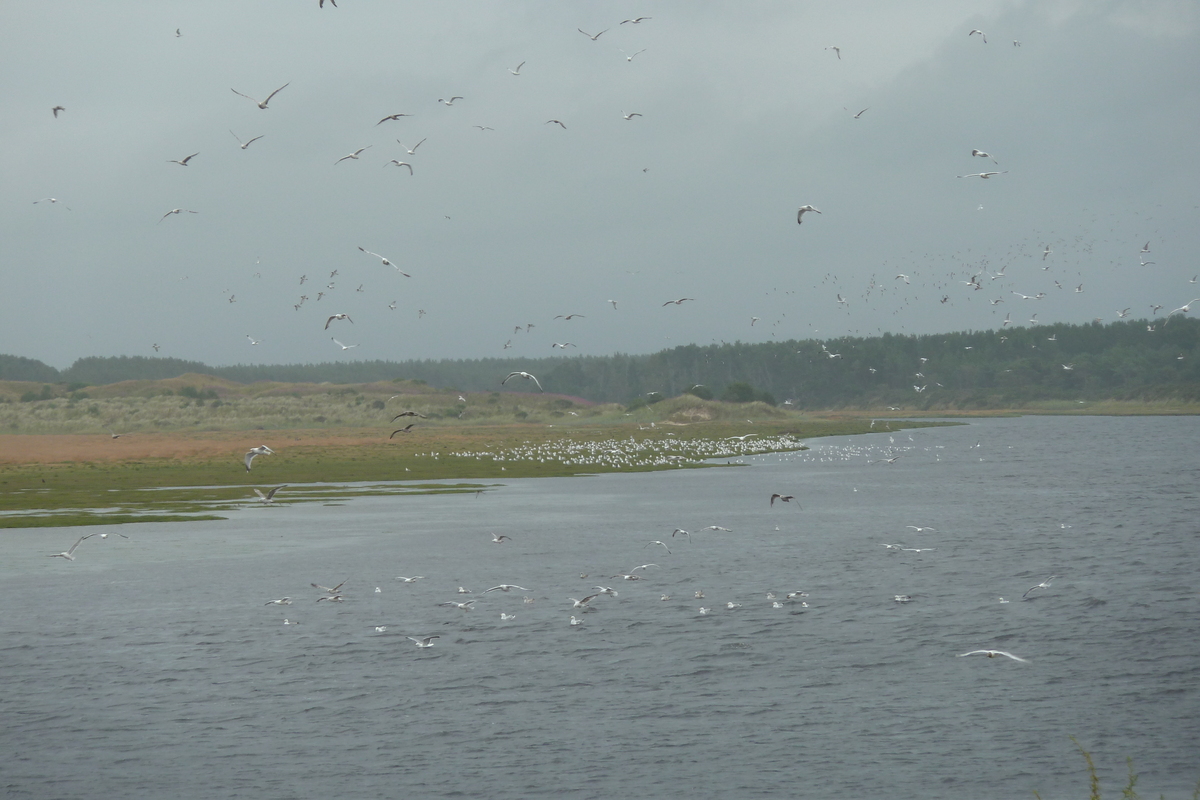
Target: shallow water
[150,667]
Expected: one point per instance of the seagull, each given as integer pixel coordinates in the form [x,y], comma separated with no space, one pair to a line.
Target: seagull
[563,345]
[517,71]
[505,587]
[177,211]
[902,276]
[634,21]
[69,555]
[423,642]
[336,598]
[556,122]
[406,579]
[894,547]
[326,589]
[406,429]
[656,541]
[450,102]
[593,38]
[183,162]
[786,498]
[1046,252]
[569,317]
[630,115]
[338,316]
[253,341]
[283,601]
[407,413]
[981,33]
[919,529]
[263,104]
[262,449]
[269,497]
[392,118]
[501,539]
[984,175]
[1043,585]
[679,532]
[575,620]
[717,528]
[386,263]
[608,590]
[859,114]
[401,164]
[918,549]
[244,145]
[582,603]
[482,128]
[629,57]
[57,109]
[1145,248]
[353,155]
[800,213]
[1182,309]
[52,200]
[343,346]
[677,302]
[321,3]
[993,654]
[524,375]
[467,606]
[981,154]
[836,50]
[412,151]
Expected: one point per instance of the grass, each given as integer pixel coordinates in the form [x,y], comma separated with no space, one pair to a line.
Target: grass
[1128,792]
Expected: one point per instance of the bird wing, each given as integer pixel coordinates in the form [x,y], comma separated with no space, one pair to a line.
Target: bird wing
[260,494]
[277,91]
[271,493]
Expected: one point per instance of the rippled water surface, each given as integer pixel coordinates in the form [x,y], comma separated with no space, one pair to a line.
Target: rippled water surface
[151,667]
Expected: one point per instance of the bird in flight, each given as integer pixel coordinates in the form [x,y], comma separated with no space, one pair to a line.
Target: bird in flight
[984,175]
[801,212]
[269,497]
[183,162]
[338,316]
[263,104]
[353,155]
[406,429]
[386,263]
[993,654]
[50,200]
[631,115]
[177,211]
[524,375]
[981,33]
[786,498]
[69,555]
[677,302]
[1043,585]
[244,145]
[634,21]
[449,102]
[501,539]
[408,414]
[505,587]
[557,122]
[412,151]
[569,317]
[344,347]
[836,50]
[859,114]
[981,154]
[517,71]
[261,450]
[593,38]
[629,57]
[57,109]
[563,345]
[401,164]
[392,118]
[424,642]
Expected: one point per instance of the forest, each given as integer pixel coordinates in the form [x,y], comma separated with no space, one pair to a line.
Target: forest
[1127,360]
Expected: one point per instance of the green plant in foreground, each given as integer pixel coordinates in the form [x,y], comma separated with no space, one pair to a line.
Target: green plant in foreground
[1128,792]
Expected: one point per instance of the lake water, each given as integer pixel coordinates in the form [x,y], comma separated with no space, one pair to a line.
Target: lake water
[151,667]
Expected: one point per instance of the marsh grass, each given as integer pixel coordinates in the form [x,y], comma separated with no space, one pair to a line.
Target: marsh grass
[1128,792]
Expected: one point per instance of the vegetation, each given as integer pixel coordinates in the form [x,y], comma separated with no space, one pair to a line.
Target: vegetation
[1094,779]
[1009,368]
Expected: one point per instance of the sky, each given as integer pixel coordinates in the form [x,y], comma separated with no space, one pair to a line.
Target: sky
[746,114]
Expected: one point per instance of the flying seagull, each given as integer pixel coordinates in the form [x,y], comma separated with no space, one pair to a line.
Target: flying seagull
[593,38]
[401,164]
[69,555]
[677,302]
[449,102]
[786,498]
[338,316]
[630,115]
[327,589]
[836,50]
[993,654]
[50,200]
[505,587]
[263,104]
[557,122]
[634,21]
[406,429]
[392,117]
[408,414]
[353,155]
[1043,585]
[981,154]
[244,145]
[343,346]
[517,71]
[177,211]
[800,213]
[524,375]
[856,116]
[386,263]
[981,33]
[262,449]
[500,539]
[984,175]
[57,109]
[423,642]
[269,497]
[413,150]
[183,162]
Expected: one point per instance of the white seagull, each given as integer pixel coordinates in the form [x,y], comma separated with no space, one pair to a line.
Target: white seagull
[993,654]
[981,33]
[413,150]
[177,211]
[262,449]
[426,641]
[1043,585]
[505,587]
[263,104]
[183,162]
[517,71]
[984,175]
[269,497]
[590,36]
[526,376]
[338,316]
[353,155]
[800,213]
[69,555]
[981,154]
[343,346]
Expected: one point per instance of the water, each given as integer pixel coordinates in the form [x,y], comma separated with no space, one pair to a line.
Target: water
[151,667]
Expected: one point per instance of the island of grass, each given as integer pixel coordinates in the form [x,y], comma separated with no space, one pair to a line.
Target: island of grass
[173,450]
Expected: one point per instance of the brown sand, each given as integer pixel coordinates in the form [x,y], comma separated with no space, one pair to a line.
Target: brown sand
[52,448]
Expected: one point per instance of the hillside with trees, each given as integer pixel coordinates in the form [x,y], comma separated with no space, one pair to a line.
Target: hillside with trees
[1135,361]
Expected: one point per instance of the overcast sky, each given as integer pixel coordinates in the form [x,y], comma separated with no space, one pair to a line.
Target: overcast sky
[746,116]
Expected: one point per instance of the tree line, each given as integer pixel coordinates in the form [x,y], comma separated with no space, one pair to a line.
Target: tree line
[984,369]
